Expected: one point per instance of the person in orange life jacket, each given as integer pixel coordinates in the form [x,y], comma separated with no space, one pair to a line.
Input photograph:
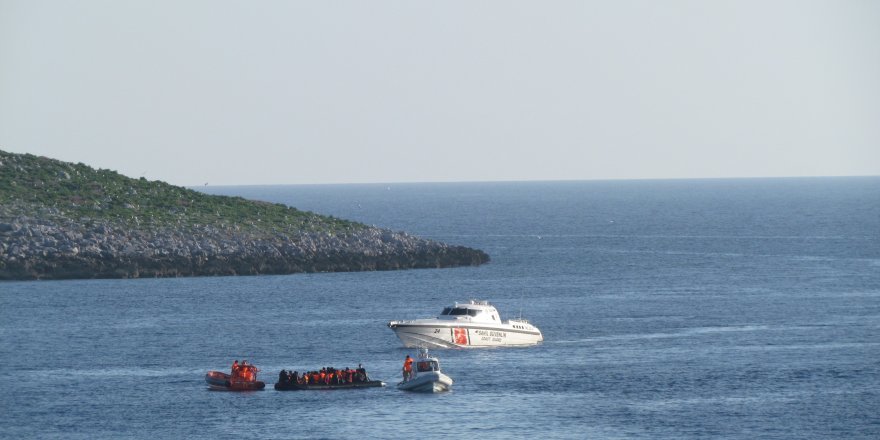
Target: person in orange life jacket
[407,368]
[247,371]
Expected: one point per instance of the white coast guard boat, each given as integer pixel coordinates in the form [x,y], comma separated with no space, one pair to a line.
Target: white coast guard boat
[472,324]
[426,376]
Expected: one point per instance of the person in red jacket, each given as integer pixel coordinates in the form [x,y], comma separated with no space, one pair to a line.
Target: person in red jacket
[407,368]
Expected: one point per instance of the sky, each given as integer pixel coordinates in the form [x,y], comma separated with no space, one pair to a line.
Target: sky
[226,92]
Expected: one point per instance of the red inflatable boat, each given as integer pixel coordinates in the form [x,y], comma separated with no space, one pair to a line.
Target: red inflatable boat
[244,378]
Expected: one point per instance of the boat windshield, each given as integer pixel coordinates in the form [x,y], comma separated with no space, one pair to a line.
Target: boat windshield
[446,311]
[427,365]
[462,311]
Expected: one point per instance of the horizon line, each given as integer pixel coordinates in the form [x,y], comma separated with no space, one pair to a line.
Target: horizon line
[456,182]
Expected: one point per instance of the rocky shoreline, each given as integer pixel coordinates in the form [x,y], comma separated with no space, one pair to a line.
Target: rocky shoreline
[54,247]
[60,220]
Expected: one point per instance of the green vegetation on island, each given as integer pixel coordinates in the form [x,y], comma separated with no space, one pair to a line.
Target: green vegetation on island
[79,191]
[65,220]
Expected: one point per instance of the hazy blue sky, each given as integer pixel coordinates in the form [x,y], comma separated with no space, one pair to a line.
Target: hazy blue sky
[247,92]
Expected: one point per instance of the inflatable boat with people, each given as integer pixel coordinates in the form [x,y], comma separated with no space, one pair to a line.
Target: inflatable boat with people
[427,377]
[326,378]
[243,378]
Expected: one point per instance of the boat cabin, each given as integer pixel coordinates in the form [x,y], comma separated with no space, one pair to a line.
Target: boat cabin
[476,310]
[426,365]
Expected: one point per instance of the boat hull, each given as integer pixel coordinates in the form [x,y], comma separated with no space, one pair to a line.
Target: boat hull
[219,381]
[433,382]
[438,335]
[292,386]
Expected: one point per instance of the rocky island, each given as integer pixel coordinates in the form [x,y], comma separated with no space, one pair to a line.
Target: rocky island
[62,220]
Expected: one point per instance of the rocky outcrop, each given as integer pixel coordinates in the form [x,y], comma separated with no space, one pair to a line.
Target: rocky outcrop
[64,220]
[49,246]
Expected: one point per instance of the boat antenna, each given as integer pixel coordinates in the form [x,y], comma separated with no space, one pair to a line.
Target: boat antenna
[521,294]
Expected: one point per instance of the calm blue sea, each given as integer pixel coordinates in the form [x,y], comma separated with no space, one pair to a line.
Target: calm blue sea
[742,308]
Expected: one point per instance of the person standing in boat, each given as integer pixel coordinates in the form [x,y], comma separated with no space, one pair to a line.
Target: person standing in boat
[234,367]
[247,371]
[407,368]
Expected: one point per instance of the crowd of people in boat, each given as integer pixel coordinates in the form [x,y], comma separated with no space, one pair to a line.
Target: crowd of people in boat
[325,376]
[244,371]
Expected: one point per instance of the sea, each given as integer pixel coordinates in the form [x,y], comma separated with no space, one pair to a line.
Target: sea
[671,309]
